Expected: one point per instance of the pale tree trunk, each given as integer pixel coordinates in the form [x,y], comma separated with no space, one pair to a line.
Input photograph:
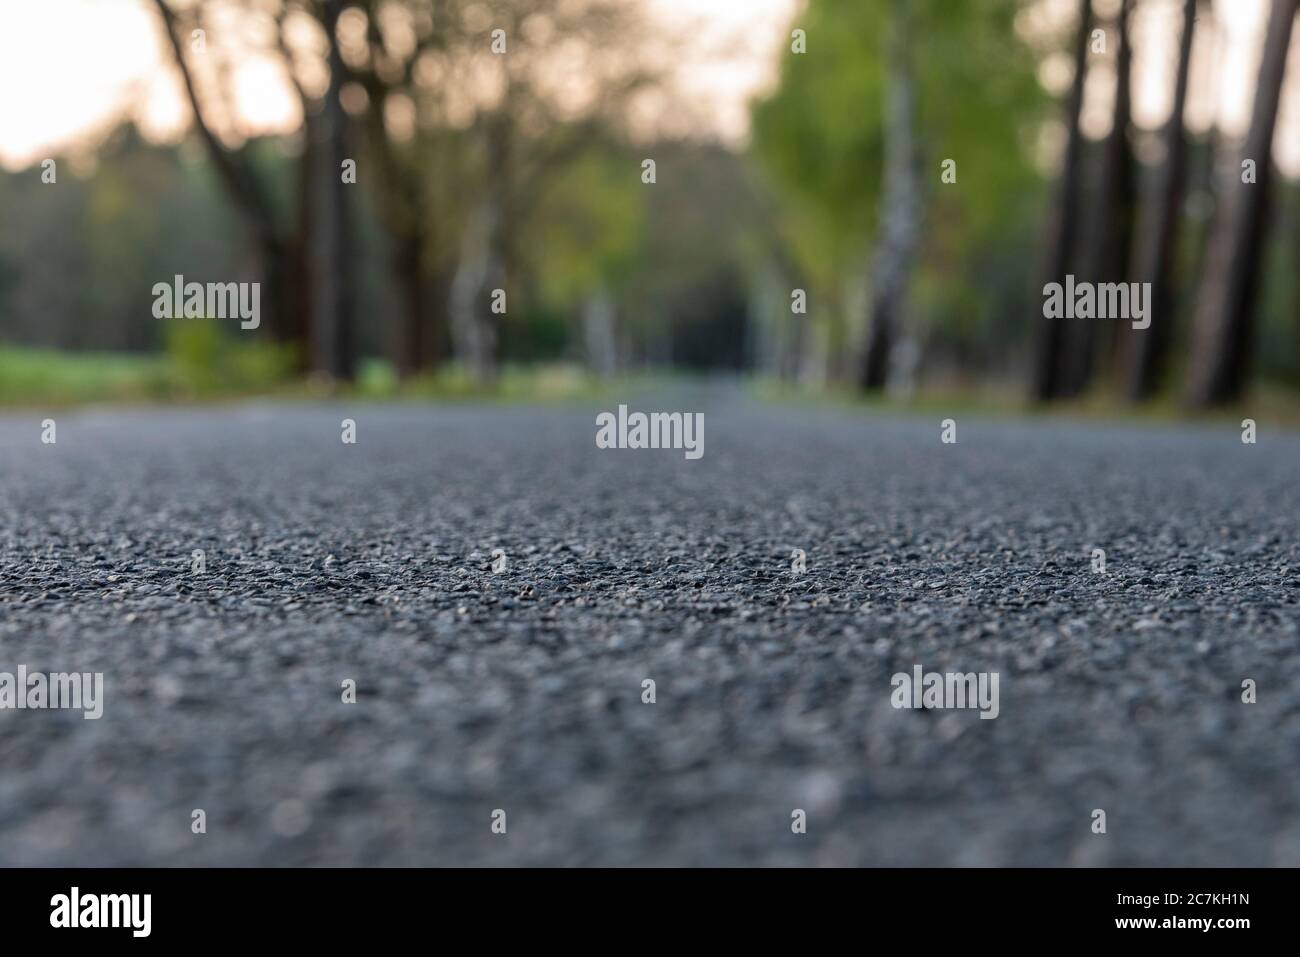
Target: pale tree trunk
[1046,382]
[336,304]
[794,349]
[770,314]
[1158,238]
[785,329]
[598,318]
[1225,315]
[478,273]
[484,264]
[762,308]
[793,330]
[900,220]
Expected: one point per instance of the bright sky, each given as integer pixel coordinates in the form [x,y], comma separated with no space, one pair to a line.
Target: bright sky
[69,68]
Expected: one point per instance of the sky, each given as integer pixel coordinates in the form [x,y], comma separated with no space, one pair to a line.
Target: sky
[70,68]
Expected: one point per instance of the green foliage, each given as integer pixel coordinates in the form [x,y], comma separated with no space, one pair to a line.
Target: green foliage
[207,365]
[547,382]
[48,376]
[209,360]
[201,361]
[820,137]
[821,134]
[540,334]
[586,226]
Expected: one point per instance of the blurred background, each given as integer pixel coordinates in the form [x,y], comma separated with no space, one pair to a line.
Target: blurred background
[802,225]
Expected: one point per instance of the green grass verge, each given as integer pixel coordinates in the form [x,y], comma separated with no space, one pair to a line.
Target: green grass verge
[40,376]
[202,364]
[197,370]
[1266,402]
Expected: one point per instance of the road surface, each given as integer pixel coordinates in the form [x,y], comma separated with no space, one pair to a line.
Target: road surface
[521,690]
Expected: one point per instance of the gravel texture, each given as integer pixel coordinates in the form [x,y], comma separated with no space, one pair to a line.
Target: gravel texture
[522,690]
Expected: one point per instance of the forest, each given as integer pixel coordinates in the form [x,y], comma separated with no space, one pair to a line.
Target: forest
[469,188]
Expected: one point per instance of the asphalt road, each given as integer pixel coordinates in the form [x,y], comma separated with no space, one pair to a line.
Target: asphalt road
[522,690]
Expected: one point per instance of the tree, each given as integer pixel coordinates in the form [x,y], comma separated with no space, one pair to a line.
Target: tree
[1225,315]
[587,235]
[1046,382]
[897,237]
[821,139]
[1158,235]
[1112,234]
[407,169]
[335,340]
[282,247]
[528,124]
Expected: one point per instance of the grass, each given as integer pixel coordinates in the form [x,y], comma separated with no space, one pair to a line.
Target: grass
[1267,401]
[196,371]
[49,377]
[555,382]
[202,365]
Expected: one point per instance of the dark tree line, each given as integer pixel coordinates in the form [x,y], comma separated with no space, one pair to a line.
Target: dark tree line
[298,257]
[1226,312]
[1134,239]
[455,200]
[452,196]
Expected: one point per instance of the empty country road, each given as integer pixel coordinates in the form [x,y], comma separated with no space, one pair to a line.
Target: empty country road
[523,690]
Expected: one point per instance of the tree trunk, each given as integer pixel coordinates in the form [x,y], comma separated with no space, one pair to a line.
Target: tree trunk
[484,264]
[1224,327]
[598,318]
[335,344]
[282,264]
[1295,258]
[402,203]
[409,344]
[1155,255]
[438,337]
[1112,239]
[900,221]
[1046,383]
[297,274]
[473,332]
